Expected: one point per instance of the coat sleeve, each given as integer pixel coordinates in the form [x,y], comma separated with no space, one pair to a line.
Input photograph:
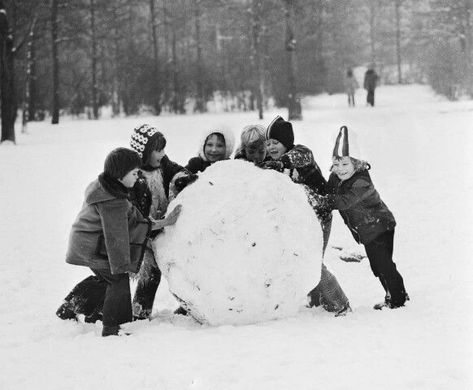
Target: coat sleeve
[298,157]
[359,191]
[170,168]
[114,217]
[194,165]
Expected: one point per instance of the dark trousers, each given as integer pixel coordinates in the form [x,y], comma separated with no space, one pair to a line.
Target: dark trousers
[87,296]
[146,288]
[117,300]
[370,97]
[102,293]
[380,255]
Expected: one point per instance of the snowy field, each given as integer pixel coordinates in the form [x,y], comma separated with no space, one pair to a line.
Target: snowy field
[420,148]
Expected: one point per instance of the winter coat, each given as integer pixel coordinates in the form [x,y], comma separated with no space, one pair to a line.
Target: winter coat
[300,165]
[200,163]
[360,206]
[371,80]
[350,85]
[153,185]
[109,233]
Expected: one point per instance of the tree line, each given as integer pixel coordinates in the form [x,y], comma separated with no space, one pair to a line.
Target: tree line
[77,57]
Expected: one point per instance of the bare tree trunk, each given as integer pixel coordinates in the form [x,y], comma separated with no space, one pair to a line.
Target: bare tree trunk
[257,29]
[7,90]
[30,58]
[176,101]
[95,89]
[116,70]
[294,105]
[200,105]
[166,88]
[32,96]
[156,70]
[467,43]
[397,7]
[372,19]
[55,62]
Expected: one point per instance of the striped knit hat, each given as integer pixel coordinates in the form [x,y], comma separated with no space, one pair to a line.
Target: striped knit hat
[346,146]
[281,130]
[140,137]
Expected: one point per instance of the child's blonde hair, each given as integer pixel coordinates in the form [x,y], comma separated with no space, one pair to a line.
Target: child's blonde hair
[252,134]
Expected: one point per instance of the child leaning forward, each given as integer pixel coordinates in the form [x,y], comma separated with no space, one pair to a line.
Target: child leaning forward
[109,236]
[370,221]
[298,162]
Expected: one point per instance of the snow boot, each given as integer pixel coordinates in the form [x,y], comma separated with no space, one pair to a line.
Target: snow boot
[93,318]
[344,310]
[390,304]
[113,330]
[380,306]
[314,297]
[66,312]
[142,315]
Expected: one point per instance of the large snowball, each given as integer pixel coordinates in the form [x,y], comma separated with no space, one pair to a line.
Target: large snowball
[246,248]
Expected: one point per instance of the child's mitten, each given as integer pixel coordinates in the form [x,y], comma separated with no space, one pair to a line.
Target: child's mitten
[184,181]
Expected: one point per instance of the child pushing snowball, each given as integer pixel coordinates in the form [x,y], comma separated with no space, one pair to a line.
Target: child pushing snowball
[368,218]
[298,162]
[217,145]
[109,236]
[252,144]
[151,194]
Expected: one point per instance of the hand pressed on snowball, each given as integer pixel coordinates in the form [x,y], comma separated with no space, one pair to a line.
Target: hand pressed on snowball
[170,219]
[183,181]
[277,165]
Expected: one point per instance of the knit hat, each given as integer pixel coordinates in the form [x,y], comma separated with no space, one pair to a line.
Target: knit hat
[281,130]
[120,161]
[346,146]
[140,137]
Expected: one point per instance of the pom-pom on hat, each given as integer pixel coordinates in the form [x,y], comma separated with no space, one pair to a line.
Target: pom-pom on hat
[281,130]
[346,145]
[140,137]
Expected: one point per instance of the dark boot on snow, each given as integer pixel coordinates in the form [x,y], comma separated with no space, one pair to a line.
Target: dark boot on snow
[113,330]
[66,312]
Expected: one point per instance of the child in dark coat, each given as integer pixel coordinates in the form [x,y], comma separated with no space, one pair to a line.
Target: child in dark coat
[368,218]
[151,194]
[109,236]
[298,162]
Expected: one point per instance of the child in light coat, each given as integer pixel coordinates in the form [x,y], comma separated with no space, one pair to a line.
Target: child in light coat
[151,194]
[368,218]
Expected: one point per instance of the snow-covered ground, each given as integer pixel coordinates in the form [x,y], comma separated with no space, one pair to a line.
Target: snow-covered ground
[420,148]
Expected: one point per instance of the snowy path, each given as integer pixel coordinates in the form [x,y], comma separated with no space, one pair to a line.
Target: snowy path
[420,148]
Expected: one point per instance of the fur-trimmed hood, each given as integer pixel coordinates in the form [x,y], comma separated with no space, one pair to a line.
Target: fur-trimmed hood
[227,134]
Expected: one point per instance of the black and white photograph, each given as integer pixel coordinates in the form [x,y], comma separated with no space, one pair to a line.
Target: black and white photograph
[236,194]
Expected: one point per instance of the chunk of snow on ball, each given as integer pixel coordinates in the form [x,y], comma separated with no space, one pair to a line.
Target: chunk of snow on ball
[246,248]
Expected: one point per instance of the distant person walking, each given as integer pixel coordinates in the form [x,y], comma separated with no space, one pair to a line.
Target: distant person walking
[350,87]
[370,82]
